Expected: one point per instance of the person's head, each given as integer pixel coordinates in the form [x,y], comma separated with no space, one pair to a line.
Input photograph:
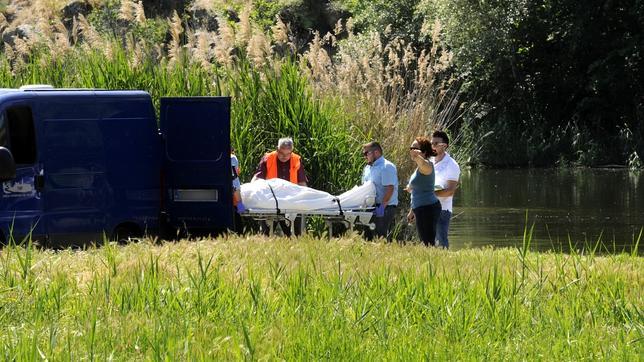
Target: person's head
[284,149]
[440,142]
[424,145]
[371,151]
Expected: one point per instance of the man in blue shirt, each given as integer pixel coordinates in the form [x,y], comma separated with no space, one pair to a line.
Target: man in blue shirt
[384,175]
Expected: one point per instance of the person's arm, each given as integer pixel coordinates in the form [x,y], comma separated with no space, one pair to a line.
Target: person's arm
[301,179]
[389,191]
[389,181]
[261,170]
[425,167]
[449,190]
[453,173]
[301,176]
[411,217]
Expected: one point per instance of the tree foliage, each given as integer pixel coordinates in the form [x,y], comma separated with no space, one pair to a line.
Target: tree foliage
[555,80]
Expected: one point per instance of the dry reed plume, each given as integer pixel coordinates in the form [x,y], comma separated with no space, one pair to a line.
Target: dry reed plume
[391,85]
[394,89]
[224,43]
[126,10]
[174,48]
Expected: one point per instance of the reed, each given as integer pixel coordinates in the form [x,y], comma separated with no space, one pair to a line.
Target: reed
[357,87]
[269,102]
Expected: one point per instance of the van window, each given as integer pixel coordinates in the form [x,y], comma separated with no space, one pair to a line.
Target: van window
[4,132]
[22,135]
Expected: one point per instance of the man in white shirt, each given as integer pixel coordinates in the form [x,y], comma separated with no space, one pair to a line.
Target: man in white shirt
[447,176]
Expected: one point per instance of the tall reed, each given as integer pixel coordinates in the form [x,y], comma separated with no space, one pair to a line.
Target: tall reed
[368,86]
[268,103]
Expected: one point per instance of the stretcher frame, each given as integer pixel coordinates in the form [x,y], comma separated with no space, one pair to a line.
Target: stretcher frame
[350,218]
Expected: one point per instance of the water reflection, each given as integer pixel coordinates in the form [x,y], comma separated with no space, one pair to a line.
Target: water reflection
[580,205]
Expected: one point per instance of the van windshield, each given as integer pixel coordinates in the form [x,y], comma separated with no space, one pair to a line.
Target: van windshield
[4,132]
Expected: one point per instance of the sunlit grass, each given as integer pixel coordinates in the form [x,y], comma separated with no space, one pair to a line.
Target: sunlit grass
[250,297]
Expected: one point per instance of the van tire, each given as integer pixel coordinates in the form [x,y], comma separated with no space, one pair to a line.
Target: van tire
[123,233]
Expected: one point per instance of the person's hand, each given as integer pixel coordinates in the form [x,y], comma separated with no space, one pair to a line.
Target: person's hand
[411,217]
[415,154]
[380,211]
[240,207]
[408,188]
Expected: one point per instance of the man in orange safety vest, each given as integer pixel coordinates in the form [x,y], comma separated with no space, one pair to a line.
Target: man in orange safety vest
[282,163]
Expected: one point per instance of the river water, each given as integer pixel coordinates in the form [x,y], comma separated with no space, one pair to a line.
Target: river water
[566,206]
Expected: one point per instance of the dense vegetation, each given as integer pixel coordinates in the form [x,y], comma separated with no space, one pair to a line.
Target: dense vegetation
[515,82]
[557,82]
[254,298]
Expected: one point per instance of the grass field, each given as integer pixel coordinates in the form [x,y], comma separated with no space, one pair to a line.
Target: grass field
[256,298]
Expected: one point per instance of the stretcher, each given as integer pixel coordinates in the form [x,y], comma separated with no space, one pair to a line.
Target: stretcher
[278,200]
[349,218]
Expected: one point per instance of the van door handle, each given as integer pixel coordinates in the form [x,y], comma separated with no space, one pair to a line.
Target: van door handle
[39,182]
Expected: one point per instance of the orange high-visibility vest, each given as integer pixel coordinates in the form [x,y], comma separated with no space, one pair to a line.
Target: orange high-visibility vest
[271,166]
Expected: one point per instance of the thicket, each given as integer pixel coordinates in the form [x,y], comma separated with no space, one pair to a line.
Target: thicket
[332,97]
[559,81]
[515,83]
[548,82]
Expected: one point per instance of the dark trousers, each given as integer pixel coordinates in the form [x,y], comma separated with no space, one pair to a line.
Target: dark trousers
[384,225]
[442,228]
[238,227]
[426,220]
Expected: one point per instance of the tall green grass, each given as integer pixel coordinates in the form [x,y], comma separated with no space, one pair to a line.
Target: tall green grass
[275,103]
[252,298]
[268,103]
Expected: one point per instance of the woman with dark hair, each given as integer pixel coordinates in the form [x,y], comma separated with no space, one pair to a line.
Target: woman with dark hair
[425,207]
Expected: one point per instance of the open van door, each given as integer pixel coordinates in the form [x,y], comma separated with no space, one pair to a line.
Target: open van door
[21,205]
[196,172]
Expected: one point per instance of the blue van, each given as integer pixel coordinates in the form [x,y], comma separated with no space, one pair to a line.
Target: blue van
[79,165]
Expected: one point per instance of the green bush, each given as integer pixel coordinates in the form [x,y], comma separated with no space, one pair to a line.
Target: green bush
[557,76]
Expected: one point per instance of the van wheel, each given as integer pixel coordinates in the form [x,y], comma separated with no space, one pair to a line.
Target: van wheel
[125,232]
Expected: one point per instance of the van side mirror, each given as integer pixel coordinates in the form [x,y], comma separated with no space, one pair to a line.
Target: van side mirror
[7,165]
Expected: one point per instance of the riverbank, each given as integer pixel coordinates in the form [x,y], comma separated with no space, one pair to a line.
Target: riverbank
[310,299]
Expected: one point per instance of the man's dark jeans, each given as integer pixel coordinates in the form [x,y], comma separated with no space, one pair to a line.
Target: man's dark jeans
[442,228]
[384,225]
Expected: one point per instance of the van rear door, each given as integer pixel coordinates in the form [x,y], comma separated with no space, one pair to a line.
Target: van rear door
[196,171]
[21,206]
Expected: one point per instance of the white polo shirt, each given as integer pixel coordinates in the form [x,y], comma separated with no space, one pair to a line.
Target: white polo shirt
[446,170]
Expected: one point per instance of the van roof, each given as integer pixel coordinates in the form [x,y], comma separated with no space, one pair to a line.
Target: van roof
[48,88]
[87,92]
